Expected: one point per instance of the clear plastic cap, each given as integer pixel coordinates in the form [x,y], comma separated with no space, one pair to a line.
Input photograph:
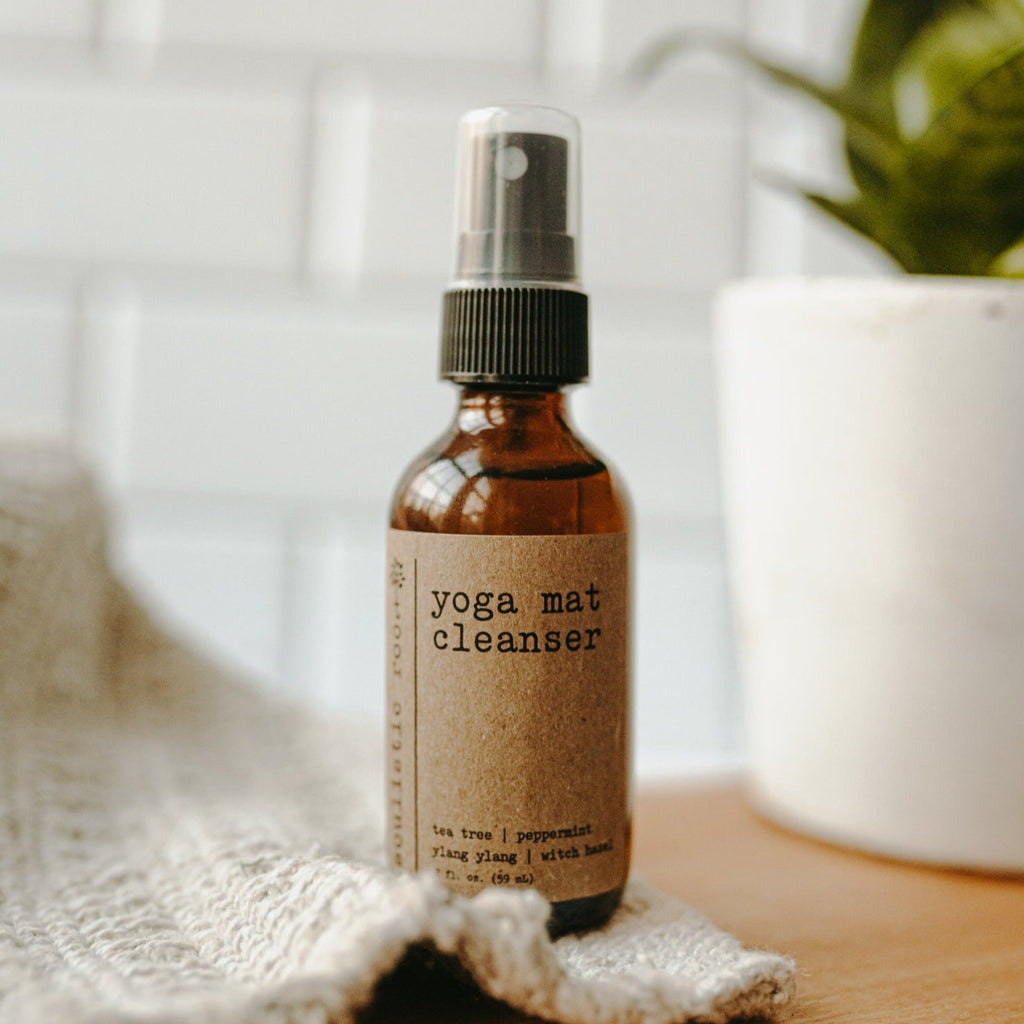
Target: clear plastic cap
[517,200]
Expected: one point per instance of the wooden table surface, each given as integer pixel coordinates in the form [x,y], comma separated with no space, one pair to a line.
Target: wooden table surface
[875,941]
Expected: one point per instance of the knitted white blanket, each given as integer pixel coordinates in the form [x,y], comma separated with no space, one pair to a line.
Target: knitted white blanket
[176,847]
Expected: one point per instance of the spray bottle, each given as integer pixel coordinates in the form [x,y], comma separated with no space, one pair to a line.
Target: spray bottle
[508,607]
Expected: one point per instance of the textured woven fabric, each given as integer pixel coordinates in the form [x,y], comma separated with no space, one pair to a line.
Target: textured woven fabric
[175,846]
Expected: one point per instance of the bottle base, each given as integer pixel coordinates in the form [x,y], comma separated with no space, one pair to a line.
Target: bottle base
[580,914]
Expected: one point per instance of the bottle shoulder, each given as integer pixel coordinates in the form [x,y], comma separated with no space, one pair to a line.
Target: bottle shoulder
[550,483]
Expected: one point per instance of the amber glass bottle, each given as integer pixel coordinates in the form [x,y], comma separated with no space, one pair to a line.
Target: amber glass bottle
[508,606]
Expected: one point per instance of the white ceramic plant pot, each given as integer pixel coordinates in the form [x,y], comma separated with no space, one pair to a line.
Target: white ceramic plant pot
[873,475]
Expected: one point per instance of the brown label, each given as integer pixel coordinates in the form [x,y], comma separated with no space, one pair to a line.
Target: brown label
[508,730]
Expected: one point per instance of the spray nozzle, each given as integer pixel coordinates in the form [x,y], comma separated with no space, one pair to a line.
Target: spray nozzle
[518,197]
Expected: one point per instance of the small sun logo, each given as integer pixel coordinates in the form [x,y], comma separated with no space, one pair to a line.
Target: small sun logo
[397,573]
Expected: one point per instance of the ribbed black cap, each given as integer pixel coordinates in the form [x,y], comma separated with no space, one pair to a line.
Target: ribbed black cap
[514,336]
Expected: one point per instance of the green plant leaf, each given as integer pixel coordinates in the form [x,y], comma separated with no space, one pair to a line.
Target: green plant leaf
[859,213]
[1010,262]
[933,114]
[949,54]
[963,188]
[886,29]
[871,144]
[651,60]
[864,217]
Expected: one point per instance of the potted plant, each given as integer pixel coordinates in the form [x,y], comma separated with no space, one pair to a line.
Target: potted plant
[872,443]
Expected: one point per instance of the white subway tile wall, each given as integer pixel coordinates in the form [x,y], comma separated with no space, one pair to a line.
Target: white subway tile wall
[224,231]
[49,18]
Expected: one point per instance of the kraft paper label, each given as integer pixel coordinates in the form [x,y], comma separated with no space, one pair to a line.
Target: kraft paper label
[508,731]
